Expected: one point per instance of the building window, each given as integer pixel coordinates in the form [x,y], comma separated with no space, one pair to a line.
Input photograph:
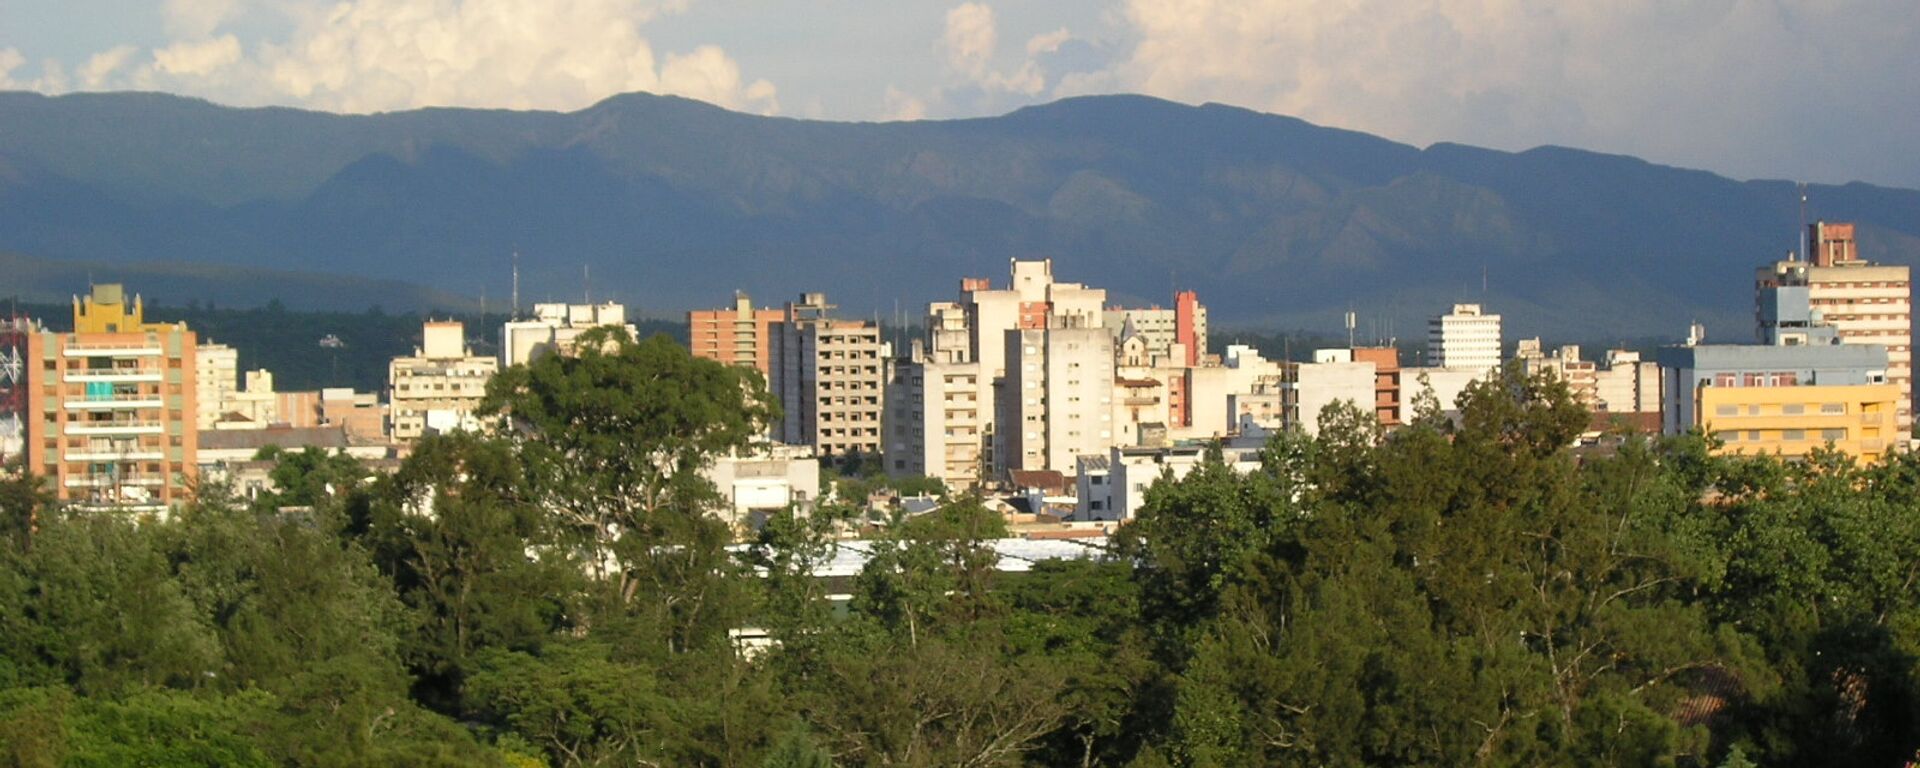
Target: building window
[1833,434]
[1833,407]
[1793,434]
[1726,410]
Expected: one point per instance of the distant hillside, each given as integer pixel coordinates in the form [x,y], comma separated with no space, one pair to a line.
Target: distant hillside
[673,204]
[287,341]
[54,281]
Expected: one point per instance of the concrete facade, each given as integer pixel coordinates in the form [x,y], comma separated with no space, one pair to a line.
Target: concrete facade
[1464,338]
[553,327]
[829,375]
[1783,400]
[1056,401]
[1865,303]
[114,416]
[440,386]
[738,335]
[935,427]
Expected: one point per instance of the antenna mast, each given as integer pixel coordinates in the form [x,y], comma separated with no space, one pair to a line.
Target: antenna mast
[1804,246]
[516,285]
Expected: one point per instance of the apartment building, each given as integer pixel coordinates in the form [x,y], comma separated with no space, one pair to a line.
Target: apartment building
[553,327]
[1801,389]
[1386,382]
[216,380]
[1334,376]
[1056,400]
[113,406]
[934,424]
[829,375]
[738,335]
[1867,303]
[980,322]
[1582,377]
[1112,484]
[439,387]
[1466,338]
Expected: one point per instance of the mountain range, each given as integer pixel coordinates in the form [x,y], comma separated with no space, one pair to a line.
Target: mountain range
[671,204]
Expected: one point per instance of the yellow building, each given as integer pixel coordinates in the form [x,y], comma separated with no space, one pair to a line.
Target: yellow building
[112,420]
[1794,420]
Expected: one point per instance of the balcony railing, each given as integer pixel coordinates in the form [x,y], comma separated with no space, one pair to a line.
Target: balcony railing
[116,375]
[115,427]
[115,402]
[113,350]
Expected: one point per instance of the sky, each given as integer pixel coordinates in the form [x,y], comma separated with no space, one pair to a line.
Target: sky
[1816,90]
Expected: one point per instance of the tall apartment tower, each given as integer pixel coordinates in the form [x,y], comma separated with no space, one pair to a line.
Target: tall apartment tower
[829,376]
[217,379]
[934,423]
[738,335]
[1056,400]
[440,387]
[1464,338]
[114,424]
[1866,302]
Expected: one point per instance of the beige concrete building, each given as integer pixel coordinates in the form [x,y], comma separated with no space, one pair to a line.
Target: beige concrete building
[1056,400]
[1627,384]
[829,375]
[1307,389]
[934,423]
[216,380]
[553,328]
[1866,302]
[1582,377]
[762,481]
[439,388]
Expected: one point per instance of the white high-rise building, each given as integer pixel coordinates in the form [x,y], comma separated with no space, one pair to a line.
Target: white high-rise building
[553,327]
[216,380]
[1464,338]
[1056,400]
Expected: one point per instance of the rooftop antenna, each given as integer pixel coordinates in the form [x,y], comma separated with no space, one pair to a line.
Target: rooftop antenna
[516,284]
[1804,246]
[1350,325]
[586,282]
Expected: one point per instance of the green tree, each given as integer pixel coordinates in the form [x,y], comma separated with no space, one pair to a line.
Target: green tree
[615,438]
[472,558]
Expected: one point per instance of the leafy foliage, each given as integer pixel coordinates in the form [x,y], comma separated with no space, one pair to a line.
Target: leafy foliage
[1468,591]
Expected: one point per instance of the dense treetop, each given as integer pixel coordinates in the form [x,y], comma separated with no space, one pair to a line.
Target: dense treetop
[1470,593]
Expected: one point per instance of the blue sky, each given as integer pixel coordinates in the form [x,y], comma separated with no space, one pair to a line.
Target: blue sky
[1825,90]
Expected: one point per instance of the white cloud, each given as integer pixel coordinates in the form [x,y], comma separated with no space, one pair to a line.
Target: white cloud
[901,105]
[1048,42]
[192,19]
[1726,85]
[196,59]
[10,60]
[709,75]
[376,55]
[94,74]
[970,38]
